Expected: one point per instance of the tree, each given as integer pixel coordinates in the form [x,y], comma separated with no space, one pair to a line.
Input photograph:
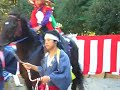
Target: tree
[76,16]
[21,5]
[71,14]
[5,7]
[103,17]
[24,8]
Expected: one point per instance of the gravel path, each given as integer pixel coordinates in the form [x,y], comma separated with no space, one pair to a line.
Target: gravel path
[10,85]
[102,84]
[89,84]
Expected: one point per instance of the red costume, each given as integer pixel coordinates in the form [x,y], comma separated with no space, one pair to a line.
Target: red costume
[45,22]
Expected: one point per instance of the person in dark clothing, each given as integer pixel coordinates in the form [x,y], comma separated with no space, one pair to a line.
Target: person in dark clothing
[8,62]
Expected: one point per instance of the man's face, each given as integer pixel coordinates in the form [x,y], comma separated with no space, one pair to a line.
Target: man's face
[50,44]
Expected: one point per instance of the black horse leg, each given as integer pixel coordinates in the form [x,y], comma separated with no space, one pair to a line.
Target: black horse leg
[74,85]
[24,74]
[78,82]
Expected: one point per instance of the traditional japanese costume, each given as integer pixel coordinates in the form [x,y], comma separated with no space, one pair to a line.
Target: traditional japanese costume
[41,16]
[58,71]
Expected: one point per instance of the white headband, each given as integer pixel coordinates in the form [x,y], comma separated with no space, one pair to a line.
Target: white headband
[51,36]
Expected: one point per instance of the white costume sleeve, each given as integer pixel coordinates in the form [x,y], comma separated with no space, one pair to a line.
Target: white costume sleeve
[39,16]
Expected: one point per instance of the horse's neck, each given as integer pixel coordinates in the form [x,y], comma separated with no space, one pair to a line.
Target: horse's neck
[24,49]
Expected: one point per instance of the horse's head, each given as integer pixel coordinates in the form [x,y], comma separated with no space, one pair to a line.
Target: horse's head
[12,28]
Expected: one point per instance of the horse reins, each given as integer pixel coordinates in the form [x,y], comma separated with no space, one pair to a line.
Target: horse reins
[37,80]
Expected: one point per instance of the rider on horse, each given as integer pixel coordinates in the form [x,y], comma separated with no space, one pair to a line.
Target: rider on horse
[41,16]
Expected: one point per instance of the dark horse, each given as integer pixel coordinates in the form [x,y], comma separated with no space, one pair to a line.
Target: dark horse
[30,49]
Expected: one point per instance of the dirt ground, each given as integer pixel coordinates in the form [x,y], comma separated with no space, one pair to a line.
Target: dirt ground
[91,83]
[10,85]
[102,84]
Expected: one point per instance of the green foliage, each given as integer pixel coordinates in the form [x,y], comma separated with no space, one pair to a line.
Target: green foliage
[83,16]
[24,7]
[71,15]
[104,17]
[76,16]
[5,7]
[21,5]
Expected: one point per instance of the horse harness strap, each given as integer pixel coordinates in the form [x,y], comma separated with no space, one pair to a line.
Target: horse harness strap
[18,41]
[3,63]
[2,60]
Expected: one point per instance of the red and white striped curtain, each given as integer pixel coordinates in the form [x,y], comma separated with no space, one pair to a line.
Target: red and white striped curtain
[99,54]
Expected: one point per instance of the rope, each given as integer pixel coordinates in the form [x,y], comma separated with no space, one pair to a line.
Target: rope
[33,80]
[29,75]
[18,58]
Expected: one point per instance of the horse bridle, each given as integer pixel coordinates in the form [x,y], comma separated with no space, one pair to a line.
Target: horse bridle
[18,31]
